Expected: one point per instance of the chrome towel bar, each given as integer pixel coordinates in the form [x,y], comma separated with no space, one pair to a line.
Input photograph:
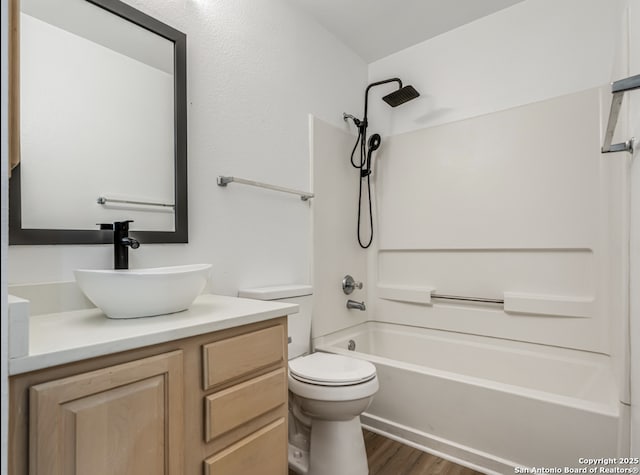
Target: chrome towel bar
[618,88]
[466,299]
[224,180]
[103,201]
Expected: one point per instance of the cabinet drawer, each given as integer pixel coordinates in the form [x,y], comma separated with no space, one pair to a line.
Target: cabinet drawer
[228,409]
[263,452]
[240,355]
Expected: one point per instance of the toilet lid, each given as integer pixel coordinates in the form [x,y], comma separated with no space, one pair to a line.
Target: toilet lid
[328,369]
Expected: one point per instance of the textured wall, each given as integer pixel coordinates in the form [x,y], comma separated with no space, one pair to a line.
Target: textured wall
[255,72]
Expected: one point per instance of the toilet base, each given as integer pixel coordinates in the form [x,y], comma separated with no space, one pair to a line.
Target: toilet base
[337,448]
[324,422]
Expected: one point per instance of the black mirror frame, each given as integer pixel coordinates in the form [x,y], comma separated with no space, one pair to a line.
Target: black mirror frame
[19,236]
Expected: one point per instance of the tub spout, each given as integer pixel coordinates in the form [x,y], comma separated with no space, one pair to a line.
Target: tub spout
[352,304]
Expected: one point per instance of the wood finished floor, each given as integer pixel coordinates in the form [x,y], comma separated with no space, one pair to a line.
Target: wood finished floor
[388,457]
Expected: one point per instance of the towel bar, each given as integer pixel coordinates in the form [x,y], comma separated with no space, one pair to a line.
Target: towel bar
[224,180]
[618,89]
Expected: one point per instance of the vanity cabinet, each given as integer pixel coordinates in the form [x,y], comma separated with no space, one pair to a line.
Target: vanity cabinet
[213,404]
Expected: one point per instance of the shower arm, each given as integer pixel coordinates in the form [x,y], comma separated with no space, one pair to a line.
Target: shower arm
[366,100]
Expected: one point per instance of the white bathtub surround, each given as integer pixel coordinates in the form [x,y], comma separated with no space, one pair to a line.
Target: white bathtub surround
[486,402]
[526,193]
[520,210]
[335,247]
[526,177]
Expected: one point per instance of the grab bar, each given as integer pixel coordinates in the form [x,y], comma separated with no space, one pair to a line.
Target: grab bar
[103,201]
[618,88]
[224,180]
[466,299]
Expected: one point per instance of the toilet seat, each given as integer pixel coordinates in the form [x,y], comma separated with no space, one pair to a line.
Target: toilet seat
[327,369]
[333,393]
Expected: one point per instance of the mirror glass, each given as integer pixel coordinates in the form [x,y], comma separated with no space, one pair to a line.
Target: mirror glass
[102,124]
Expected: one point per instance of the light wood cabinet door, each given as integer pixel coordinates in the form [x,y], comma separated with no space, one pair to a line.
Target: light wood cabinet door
[125,420]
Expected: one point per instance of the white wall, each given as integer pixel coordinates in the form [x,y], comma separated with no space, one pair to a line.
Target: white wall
[529,52]
[255,72]
[634,284]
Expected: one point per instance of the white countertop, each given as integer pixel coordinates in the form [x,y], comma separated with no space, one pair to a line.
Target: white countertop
[58,338]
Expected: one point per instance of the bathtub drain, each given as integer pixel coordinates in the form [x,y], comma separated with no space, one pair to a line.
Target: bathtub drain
[351,345]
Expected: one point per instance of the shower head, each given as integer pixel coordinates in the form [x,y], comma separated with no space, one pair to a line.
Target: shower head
[397,97]
[400,96]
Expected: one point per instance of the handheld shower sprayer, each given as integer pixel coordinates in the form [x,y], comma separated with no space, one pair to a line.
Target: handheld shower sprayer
[399,96]
[374,144]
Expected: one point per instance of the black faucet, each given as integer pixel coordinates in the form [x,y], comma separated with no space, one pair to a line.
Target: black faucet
[121,243]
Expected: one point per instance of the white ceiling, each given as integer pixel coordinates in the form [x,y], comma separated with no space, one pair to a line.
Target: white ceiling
[377,28]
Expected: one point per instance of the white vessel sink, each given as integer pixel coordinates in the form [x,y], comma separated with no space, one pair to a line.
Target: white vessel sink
[134,293]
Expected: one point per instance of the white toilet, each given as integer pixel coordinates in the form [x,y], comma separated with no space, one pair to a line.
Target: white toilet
[327,394]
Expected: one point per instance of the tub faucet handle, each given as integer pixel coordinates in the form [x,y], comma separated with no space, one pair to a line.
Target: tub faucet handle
[349,285]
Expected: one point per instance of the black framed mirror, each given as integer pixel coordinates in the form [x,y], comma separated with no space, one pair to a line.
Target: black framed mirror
[142,147]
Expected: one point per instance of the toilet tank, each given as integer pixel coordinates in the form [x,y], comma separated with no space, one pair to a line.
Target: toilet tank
[299,324]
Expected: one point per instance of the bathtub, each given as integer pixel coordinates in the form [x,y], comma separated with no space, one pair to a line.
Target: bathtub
[486,403]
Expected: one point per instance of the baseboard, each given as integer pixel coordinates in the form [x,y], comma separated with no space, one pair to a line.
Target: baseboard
[443,448]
